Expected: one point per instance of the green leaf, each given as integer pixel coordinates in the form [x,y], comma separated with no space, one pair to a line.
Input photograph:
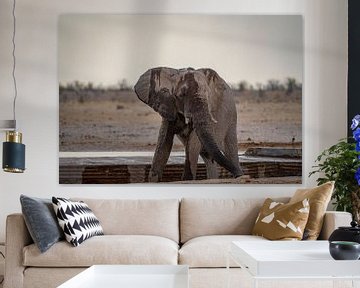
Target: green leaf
[338,163]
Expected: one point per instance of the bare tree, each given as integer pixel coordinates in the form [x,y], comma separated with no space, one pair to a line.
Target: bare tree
[260,88]
[291,85]
[243,86]
[123,85]
[273,85]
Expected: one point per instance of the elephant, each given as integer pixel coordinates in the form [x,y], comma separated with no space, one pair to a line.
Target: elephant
[198,107]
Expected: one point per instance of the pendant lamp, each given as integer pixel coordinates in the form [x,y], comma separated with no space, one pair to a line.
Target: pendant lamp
[13,150]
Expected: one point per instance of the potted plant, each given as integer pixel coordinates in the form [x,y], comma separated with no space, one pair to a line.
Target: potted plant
[341,163]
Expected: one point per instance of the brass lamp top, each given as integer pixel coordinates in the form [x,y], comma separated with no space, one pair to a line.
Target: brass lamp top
[13,136]
[13,170]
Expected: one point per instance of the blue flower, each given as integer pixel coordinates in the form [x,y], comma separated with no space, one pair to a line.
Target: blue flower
[357,176]
[355,122]
[355,126]
[356,134]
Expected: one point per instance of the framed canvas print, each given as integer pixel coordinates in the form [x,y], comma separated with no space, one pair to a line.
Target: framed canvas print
[180,99]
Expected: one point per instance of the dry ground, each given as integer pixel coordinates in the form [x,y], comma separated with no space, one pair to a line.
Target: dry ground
[118,121]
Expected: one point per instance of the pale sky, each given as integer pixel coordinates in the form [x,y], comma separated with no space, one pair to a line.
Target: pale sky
[104,49]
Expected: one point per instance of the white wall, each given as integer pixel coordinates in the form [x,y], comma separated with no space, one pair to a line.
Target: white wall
[324,109]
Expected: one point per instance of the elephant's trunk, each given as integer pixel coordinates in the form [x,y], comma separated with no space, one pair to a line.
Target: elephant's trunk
[203,124]
[204,130]
[207,140]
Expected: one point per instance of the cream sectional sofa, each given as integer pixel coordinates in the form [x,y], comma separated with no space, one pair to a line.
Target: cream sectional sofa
[194,232]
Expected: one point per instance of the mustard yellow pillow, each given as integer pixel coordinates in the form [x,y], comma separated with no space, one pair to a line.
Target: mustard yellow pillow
[279,221]
[319,198]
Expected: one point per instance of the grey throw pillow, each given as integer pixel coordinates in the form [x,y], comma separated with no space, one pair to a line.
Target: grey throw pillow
[41,221]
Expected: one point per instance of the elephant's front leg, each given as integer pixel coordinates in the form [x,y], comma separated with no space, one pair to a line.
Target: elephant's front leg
[192,150]
[162,151]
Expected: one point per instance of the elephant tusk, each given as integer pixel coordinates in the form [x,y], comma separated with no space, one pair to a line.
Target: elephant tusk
[213,119]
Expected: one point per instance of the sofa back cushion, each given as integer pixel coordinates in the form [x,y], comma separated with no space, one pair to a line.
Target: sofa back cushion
[159,217]
[200,217]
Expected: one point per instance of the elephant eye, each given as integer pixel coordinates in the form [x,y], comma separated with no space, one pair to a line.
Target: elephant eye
[164,90]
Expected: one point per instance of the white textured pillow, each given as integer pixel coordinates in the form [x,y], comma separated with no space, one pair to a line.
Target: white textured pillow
[77,220]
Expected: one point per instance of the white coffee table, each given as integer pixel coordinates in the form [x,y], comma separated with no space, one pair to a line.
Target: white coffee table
[296,260]
[131,276]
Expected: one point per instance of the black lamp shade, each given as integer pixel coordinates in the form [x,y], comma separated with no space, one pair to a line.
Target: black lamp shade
[13,157]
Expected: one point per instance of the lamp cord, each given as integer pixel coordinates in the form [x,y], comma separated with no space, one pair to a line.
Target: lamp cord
[2,280]
[14,60]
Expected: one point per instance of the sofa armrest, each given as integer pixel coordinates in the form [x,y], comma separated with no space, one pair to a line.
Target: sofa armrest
[333,220]
[17,237]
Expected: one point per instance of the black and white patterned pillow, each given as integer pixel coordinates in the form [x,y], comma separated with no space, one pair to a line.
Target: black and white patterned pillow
[77,220]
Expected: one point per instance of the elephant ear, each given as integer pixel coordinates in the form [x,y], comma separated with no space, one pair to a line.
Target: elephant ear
[142,86]
[153,88]
[214,81]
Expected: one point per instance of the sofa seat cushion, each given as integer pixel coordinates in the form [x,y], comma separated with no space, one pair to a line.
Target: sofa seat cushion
[159,217]
[107,249]
[211,251]
[206,217]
